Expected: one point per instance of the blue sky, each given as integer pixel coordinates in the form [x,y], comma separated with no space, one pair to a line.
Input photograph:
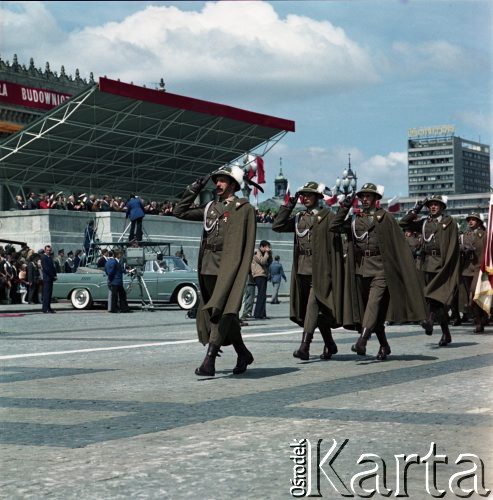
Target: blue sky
[353,75]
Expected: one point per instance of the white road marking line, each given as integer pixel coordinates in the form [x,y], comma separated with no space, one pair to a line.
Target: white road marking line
[134,346]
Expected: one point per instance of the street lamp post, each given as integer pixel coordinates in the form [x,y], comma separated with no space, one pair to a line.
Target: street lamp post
[349,181]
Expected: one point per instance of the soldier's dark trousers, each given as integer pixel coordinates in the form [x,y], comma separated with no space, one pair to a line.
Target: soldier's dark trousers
[376,298]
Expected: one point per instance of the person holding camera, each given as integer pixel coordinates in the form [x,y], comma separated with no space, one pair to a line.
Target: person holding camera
[225,255]
[261,261]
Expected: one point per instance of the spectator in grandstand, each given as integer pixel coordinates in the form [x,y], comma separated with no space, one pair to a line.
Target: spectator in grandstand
[32,202]
[70,205]
[19,203]
[44,203]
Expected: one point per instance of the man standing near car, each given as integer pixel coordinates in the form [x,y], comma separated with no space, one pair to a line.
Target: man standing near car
[49,276]
[115,271]
[226,251]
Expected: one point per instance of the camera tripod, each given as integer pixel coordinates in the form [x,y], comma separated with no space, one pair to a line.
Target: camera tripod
[145,297]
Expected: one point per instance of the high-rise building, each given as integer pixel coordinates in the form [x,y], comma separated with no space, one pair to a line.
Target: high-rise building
[439,162]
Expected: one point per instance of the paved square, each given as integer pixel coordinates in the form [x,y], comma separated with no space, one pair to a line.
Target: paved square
[107,406]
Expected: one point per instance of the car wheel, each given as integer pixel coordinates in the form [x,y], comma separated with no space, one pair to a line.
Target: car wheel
[81,298]
[187,297]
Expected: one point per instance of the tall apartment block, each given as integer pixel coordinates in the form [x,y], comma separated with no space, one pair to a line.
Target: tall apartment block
[439,162]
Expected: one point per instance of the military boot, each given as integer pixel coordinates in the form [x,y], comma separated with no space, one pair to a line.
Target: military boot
[330,346]
[427,324]
[244,359]
[208,366]
[384,350]
[304,350]
[446,337]
[360,346]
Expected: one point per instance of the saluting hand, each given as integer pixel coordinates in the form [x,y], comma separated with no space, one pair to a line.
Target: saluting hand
[347,202]
[292,201]
[200,183]
[419,205]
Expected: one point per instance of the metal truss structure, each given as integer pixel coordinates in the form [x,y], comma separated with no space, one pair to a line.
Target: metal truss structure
[119,139]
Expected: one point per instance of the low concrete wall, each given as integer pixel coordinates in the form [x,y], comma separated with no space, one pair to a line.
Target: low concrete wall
[64,229]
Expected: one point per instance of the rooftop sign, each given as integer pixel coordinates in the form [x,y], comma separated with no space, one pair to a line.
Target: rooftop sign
[436,131]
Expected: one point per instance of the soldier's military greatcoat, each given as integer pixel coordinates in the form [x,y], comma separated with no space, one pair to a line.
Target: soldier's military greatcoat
[439,254]
[377,248]
[226,251]
[319,253]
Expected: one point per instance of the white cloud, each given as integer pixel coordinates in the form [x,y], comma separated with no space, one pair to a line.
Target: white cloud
[433,55]
[227,49]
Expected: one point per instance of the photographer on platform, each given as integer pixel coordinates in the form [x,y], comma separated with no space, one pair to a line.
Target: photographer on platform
[135,212]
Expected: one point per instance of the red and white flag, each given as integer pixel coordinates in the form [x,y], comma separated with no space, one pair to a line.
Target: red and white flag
[394,204]
[483,295]
[256,171]
[330,200]
[287,195]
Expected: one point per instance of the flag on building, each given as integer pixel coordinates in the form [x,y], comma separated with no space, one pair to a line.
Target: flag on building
[394,204]
[483,295]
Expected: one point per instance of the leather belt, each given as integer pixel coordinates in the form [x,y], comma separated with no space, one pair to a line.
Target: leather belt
[213,248]
[305,252]
[434,253]
[368,253]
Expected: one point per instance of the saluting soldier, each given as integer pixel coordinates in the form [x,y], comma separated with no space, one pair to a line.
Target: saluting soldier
[472,244]
[316,292]
[438,260]
[226,251]
[380,269]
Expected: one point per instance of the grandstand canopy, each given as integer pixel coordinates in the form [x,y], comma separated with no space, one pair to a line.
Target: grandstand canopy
[118,138]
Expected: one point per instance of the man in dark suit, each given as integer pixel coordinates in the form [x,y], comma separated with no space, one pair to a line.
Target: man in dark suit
[135,212]
[49,276]
[115,270]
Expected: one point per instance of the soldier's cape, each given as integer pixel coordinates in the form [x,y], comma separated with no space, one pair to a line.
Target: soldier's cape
[442,287]
[328,267]
[236,257]
[407,302]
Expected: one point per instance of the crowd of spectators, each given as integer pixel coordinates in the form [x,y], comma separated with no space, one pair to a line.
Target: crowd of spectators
[106,203]
[85,203]
[20,272]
